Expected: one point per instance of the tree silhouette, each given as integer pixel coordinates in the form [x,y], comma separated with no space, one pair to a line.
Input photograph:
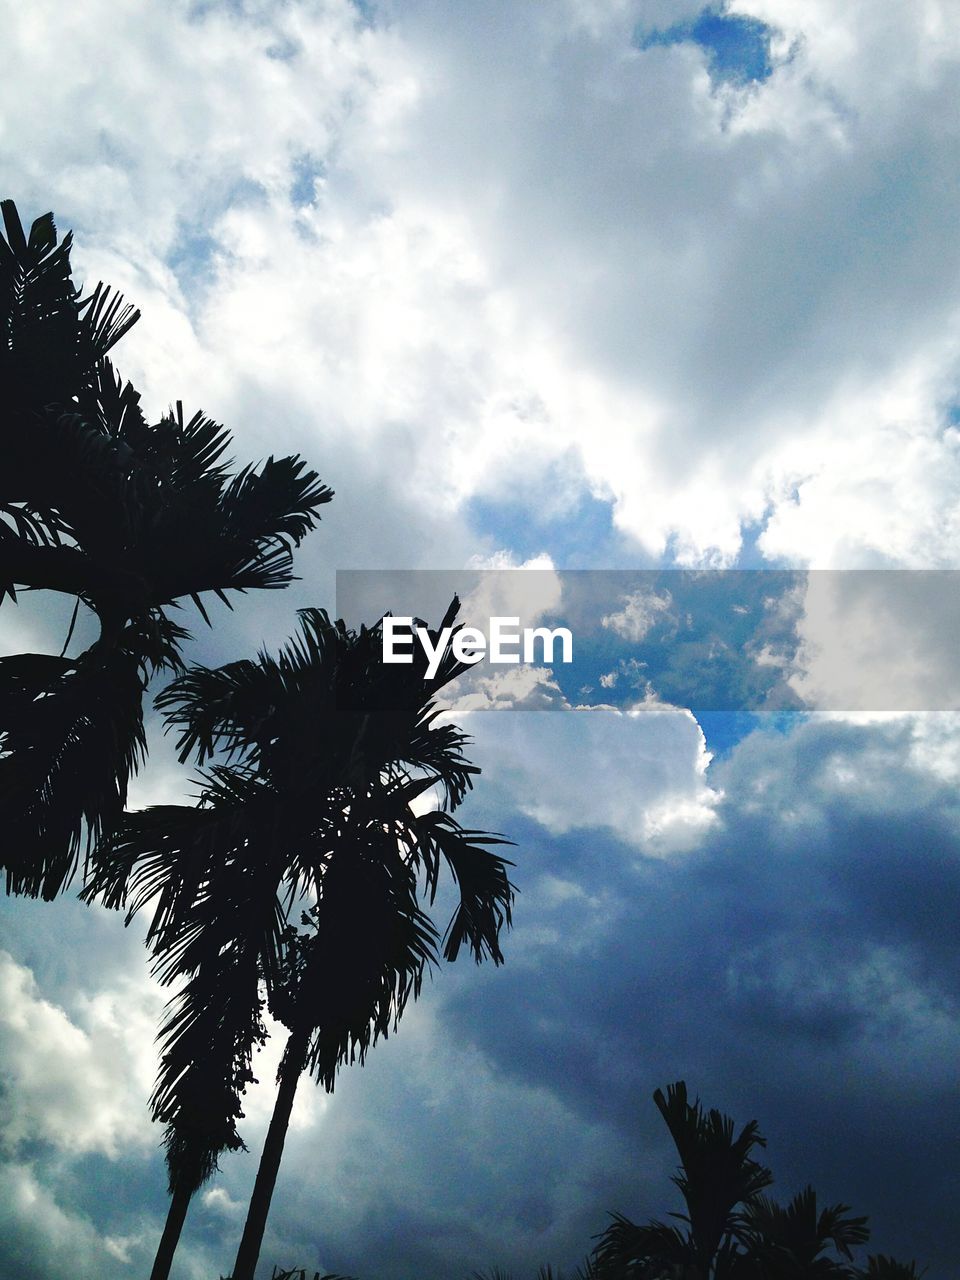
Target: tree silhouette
[790,1243]
[129,518]
[732,1231]
[881,1267]
[317,759]
[717,1174]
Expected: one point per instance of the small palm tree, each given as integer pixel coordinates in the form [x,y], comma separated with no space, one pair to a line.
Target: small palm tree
[880,1267]
[323,754]
[129,518]
[791,1242]
[732,1231]
[717,1175]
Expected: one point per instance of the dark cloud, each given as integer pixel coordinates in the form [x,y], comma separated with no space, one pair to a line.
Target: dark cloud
[801,967]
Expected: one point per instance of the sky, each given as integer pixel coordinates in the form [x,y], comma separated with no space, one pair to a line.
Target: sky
[611,292]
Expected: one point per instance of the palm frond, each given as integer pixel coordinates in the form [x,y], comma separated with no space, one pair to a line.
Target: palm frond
[39,358]
[104,319]
[623,1247]
[210,870]
[208,1037]
[880,1267]
[717,1171]
[300,1274]
[50,337]
[220,709]
[72,736]
[231,535]
[486,894]
[799,1230]
[366,954]
[277,502]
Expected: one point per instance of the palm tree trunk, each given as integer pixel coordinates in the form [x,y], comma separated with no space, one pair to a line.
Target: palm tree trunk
[294,1059]
[179,1202]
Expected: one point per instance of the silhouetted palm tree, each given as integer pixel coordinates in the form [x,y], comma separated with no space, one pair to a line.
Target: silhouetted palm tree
[880,1267]
[130,519]
[791,1242]
[323,752]
[717,1175]
[733,1232]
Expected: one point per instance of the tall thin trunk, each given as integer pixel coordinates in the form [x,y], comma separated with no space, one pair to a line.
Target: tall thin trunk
[294,1058]
[179,1203]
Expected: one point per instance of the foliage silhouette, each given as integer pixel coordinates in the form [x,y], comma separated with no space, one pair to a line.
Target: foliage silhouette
[300,1274]
[791,1241]
[316,761]
[732,1231]
[881,1267]
[717,1175]
[130,518]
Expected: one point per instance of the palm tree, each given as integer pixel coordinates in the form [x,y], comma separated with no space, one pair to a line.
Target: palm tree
[880,1267]
[733,1231]
[717,1174]
[130,519]
[322,755]
[790,1243]
[51,343]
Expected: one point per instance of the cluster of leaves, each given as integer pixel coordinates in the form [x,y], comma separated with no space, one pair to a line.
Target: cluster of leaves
[302,1275]
[129,518]
[320,756]
[731,1230]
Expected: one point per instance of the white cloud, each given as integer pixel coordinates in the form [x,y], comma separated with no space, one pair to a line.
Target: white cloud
[80,1085]
[732,300]
[641,610]
[641,772]
[44,1236]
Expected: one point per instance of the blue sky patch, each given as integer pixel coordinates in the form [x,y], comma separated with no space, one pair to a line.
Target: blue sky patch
[579,539]
[306,170]
[738,48]
[193,255]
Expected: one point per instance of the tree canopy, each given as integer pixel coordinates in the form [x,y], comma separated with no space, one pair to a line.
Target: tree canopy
[129,517]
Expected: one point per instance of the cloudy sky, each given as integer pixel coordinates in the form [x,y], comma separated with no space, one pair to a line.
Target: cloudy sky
[578,285]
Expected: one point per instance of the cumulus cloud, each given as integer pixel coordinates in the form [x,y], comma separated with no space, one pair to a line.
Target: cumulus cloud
[77,1074]
[747,293]
[64,1077]
[640,611]
[638,771]
[41,1238]
[800,963]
